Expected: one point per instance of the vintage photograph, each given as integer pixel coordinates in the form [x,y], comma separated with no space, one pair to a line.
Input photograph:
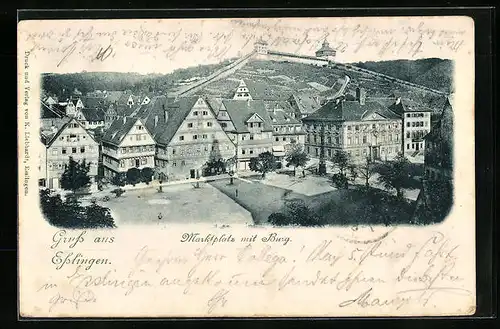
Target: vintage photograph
[267,138]
[246,167]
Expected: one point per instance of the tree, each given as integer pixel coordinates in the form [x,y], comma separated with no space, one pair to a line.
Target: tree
[296,157]
[396,175]
[346,169]
[264,163]
[366,170]
[341,160]
[119,179]
[146,174]
[75,175]
[133,176]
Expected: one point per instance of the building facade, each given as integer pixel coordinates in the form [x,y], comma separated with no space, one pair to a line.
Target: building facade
[248,125]
[416,124]
[188,136]
[362,129]
[287,131]
[71,140]
[127,144]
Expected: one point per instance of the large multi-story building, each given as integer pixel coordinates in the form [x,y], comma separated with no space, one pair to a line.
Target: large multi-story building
[416,124]
[248,125]
[127,144]
[187,136]
[70,140]
[287,131]
[361,128]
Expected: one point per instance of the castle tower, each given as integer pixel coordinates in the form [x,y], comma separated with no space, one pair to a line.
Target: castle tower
[242,92]
[260,46]
[326,51]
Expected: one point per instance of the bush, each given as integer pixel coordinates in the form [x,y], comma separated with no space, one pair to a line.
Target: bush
[147,175]
[339,181]
[118,192]
[278,219]
[119,179]
[71,214]
[134,176]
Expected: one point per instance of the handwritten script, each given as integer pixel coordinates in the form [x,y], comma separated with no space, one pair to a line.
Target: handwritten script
[97,43]
[358,274]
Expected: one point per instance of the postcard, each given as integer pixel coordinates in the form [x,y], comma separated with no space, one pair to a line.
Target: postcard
[246,167]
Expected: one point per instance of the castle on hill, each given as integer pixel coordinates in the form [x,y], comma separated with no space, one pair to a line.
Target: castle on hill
[324,56]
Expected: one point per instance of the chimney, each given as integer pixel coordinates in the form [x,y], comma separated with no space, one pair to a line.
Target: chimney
[156,120]
[361,95]
[398,100]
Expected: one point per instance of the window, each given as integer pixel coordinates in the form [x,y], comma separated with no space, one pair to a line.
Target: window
[205,113]
[408,135]
[223,125]
[260,124]
[348,127]
[209,124]
[195,136]
[407,124]
[329,140]
[251,124]
[407,146]
[357,140]
[284,139]
[251,151]
[373,126]
[243,151]
[138,137]
[242,137]
[317,151]
[82,149]
[140,127]
[364,139]
[181,138]
[407,115]
[356,127]
[54,151]
[413,124]
[277,139]
[348,140]
[205,136]
[144,161]
[73,150]
[174,164]
[195,113]
[364,151]
[251,137]
[357,153]
[190,125]
[173,151]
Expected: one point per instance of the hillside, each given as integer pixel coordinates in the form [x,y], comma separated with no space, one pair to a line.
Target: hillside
[275,80]
[434,73]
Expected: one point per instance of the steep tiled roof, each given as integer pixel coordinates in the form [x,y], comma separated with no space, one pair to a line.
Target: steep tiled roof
[306,102]
[167,125]
[214,103]
[118,130]
[48,138]
[93,114]
[350,111]
[241,110]
[47,112]
[280,117]
[405,105]
[93,102]
[263,91]
[113,96]
[279,105]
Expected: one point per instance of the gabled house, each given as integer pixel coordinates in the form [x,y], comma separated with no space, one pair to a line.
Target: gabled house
[127,144]
[69,140]
[287,131]
[73,106]
[51,116]
[248,124]
[91,118]
[187,136]
[304,103]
